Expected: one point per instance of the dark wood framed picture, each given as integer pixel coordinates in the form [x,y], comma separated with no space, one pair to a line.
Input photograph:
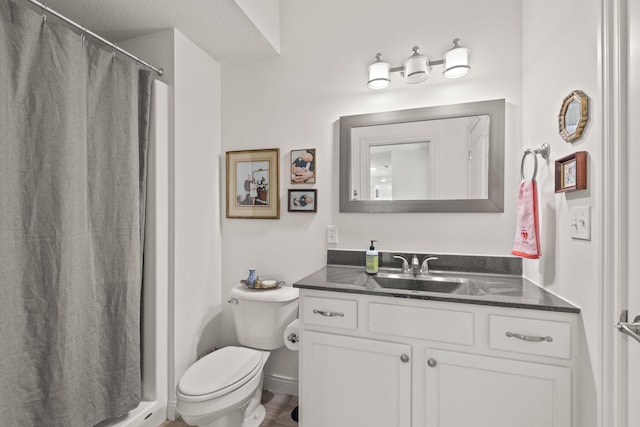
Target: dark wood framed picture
[303,200]
[571,172]
[303,166]
[252,184]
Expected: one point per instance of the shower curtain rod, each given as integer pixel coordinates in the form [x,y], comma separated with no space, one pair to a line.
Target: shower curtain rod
[88,32]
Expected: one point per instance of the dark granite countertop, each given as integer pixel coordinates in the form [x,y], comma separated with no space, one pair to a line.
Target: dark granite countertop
[502,290]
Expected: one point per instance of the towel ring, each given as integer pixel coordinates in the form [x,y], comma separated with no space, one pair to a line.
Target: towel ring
[535,163]
[543,151]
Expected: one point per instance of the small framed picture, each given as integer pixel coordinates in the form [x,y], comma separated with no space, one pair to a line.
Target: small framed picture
[303,200]
[571,172]
[303,166]
[252,184]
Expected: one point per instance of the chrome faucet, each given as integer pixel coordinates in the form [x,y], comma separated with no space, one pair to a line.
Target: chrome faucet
[415,266]
[424,269]
[405,263]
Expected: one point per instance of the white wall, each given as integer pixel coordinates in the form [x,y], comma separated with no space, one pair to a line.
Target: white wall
[194,217]
[568,267]
[294,101]
[265,14]
[197,203]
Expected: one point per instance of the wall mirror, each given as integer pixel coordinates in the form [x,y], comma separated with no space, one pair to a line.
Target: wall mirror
[436,159]
[574,114]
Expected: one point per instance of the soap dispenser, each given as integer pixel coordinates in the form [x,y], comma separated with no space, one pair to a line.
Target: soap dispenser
[371,265]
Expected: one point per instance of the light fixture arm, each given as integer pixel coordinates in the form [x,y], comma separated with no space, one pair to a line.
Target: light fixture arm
[430,64]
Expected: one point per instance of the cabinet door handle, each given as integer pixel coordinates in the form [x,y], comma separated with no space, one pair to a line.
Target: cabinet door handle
[404,358]
[432,363]
[528,337]
[328,313]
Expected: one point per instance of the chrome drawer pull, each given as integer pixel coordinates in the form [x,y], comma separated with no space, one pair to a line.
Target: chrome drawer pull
[328,313]
[528,338]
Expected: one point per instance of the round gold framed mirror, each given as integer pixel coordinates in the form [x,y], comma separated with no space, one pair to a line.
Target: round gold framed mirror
[574,114]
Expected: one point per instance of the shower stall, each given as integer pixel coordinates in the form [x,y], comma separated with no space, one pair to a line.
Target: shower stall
[152,410]
[85,227]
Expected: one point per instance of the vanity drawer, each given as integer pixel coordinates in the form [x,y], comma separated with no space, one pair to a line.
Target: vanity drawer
[449,326]
[531,336]
[337,313]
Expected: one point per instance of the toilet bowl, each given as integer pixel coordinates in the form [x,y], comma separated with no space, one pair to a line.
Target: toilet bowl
[217,390]
[224,388]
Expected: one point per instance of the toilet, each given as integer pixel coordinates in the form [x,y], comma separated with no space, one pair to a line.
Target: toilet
[224,388]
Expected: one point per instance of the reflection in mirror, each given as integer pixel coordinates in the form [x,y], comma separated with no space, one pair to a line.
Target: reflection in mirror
[402,161]
[572,116]
[435,159]
[389,167]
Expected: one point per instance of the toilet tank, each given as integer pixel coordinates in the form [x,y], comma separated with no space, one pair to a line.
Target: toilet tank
[261,316]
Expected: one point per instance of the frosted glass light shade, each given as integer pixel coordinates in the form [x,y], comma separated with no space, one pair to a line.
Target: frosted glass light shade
[456,61]
[416,67]
[379,74]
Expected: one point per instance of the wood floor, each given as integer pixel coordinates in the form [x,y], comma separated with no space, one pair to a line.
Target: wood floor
[278,406]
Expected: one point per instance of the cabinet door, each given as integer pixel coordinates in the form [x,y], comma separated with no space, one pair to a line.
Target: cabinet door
[468,390]
[354,382]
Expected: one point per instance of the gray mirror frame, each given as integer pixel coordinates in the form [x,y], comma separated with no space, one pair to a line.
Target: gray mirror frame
[495,201]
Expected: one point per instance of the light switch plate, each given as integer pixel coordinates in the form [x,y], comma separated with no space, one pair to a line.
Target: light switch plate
[580,223]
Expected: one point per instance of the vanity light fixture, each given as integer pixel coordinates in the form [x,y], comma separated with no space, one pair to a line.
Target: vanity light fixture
[456,61]
[416,67]
[379,73]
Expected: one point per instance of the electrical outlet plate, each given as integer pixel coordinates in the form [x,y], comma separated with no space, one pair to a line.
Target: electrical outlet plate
[332,234]
[580,223]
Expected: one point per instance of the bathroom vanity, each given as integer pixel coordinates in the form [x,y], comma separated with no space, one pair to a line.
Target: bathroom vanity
[497,352]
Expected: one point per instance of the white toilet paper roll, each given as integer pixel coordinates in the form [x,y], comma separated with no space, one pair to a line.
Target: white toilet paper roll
[292,336]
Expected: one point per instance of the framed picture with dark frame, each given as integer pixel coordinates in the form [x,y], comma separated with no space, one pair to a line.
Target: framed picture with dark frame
[303,166]
[303,200]
[252,184]
[571,172]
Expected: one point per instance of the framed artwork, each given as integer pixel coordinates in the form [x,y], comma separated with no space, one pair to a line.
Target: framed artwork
[303,200]
[252,184]
[571,172]
[303,166]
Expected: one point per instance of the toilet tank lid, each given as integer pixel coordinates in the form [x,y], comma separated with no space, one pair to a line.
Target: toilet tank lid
[281,294]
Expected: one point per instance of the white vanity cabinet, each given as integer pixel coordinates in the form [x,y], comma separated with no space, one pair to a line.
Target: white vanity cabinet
[379,361]
[467,390]
[351,381]
[356,382]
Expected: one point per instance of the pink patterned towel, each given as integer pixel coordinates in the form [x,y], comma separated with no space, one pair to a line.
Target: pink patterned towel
[527,241]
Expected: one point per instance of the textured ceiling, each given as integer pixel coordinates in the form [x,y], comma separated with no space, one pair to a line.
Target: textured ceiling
[219,27]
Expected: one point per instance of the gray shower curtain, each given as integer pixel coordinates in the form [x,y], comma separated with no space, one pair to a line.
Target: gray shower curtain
[73,143]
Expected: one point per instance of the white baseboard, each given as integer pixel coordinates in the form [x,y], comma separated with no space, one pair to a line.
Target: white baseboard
[172,412]
[281,384]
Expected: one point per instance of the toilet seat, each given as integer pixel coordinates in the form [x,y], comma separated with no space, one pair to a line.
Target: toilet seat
[219,373]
